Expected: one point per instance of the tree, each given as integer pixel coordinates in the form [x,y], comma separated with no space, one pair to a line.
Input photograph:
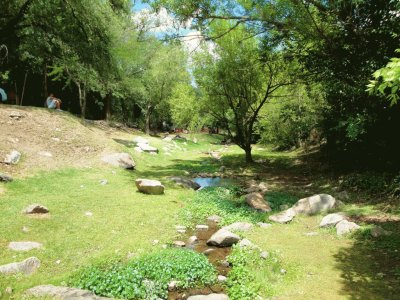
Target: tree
[238,80]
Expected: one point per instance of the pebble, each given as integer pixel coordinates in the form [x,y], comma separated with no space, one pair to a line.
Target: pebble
[208,251]
[9,290]
[283,271]
[201,227]
[88,214]
[155,242]
[179,244]
[264,254]
[264,225]
[193,239]
[103,181]
[222,278]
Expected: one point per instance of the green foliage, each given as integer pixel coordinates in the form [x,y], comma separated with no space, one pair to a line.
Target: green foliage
[147,277]
[368,182]
[222,202]
[387,81]
[243,281]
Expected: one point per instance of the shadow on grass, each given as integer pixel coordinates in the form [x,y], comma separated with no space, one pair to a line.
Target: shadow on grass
[126,143]
[371,266]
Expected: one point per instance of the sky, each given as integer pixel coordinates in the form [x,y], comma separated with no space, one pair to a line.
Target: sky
[139,5]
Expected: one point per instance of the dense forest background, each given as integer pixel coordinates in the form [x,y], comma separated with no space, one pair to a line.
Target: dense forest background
[288,73]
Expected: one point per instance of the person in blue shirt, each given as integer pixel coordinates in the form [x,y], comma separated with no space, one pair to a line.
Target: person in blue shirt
[53,102]
[3,95]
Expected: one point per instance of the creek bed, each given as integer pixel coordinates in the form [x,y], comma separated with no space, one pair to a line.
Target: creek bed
[215,257]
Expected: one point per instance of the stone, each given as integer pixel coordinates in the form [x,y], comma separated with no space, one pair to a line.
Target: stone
[140,140]
[62,293]
[209,297]
[25,229]
[122,160]
[155,242]
[24,246]
[239,226]
[103,181]
[256,201]
[283,271]
[180,227]
[138,149]
[201,227]
[245,243]
[148,186]
[27,267]
[331,220]
[345,227]
[181,231]
[12,158]
[224,263]
[16,115]
[223,238]
[9,290]
[263,187]
[36,209]
[193,239]
[179,244]
[173,285]
[184,182]
[314,204]
[207,252]
[222,278]
[45,154]
[88,214]
[264,255]
[5,178]
[283,217]
[147,148]
[378,231]
[214,218]
[264,225]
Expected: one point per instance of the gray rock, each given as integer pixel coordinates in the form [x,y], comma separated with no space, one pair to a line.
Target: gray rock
[283,217]
[12,158]
[5,178]
[179,244]
[264,225]
[378,231]
[264,255]
[16,115]
[24,246]
[193,239]
[239,226]
[314,204]
[222,278]
[147,148]
[173,285]
[207,252]
[36,209]
[180,227]
[331,220]
[45,154]
[147,186]
[140,140]
[122,160]
[138,149]
[256,201]
[201,227]
[103,181]
[184,182]
[62,293]
[245,243]
[27,266]
[223,238]
[209,297]
[345,227]
[214,218]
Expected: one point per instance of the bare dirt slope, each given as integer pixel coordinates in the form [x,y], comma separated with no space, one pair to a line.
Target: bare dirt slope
[38,132]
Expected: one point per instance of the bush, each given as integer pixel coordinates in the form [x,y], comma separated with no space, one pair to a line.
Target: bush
[147,277]
[368,182]
[222,202]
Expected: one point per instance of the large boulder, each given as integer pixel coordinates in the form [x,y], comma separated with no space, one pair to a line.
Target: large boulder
[331,220]
[5,178]
[148,186]
[27,266]
[184,182]
[12,158]
[345,227]
[122,160]
[283,217]
[24,246]
[36,209]
[223,238]
[239,226]
[256,201]
[314,204]
[209,297]
[62,293]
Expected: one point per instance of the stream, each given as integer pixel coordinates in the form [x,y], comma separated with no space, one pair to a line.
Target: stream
[215,256]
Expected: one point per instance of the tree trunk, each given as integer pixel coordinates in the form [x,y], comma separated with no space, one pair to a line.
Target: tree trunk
[149,108]
[107,107]
[45,91]
[249,157]
[82,99]
[23,88]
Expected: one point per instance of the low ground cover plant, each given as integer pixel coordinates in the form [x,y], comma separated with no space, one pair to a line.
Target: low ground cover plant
[148,276]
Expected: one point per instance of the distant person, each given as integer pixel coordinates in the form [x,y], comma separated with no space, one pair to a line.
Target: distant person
[3,95]
[53,102]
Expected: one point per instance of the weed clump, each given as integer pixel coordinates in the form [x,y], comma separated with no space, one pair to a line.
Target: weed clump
[147,277]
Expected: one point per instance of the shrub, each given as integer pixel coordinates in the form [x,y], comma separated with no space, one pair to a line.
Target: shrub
[147,277]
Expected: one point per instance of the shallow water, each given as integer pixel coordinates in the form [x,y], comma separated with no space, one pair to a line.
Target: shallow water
[213,181]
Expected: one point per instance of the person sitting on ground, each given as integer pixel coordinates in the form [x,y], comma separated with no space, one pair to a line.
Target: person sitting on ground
[53,102]
[3,96]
